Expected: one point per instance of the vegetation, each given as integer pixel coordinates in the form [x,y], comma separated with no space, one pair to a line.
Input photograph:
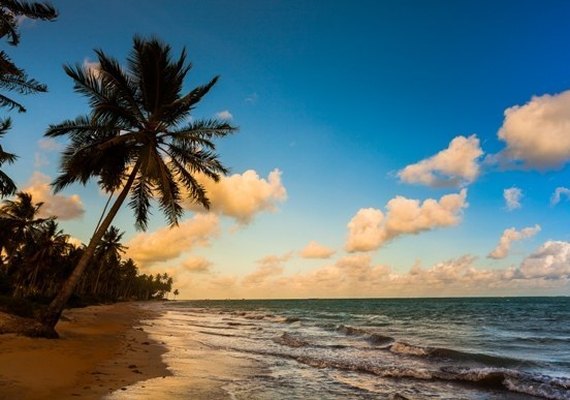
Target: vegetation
[12,77]
[37,257]
[138,140]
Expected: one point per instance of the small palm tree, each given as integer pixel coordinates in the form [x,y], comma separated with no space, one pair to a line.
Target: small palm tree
[138,140]
[175,293]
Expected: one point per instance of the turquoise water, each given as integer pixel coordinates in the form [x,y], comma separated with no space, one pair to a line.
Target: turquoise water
[475,348]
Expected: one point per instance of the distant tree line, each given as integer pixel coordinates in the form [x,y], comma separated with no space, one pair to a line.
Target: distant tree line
[36,257]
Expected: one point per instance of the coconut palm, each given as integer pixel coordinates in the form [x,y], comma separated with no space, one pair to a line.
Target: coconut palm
[12,78]
[137,140]
[7,186]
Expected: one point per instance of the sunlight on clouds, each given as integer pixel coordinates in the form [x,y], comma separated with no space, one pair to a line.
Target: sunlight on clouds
[169,243]
[537,134]
[316,250]
[551,261]
[55,205]
[510,235]
[268,266]
[513,198]
[242,196]
[370,228]
[455,166]
[195,264]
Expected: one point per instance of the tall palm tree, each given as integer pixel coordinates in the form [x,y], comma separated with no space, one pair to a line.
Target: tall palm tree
[138,140]
[7,186]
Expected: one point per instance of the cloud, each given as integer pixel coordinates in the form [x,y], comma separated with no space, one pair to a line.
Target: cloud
[268,266]
[49,144]
[55,205]
[551,261]
[557,195]
[546,271]
[242,196]
[252,98]
[370,228]
[92,67]
[455,166]
[169,243]
[510,235]
[537,134]
[225,115]
[316,250]
[196,264]
[513,198]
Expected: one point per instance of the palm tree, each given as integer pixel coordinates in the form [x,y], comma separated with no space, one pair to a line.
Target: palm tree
[175,293]
[7,186]
[138,140]
[18,222]
[13,78]
[108,253]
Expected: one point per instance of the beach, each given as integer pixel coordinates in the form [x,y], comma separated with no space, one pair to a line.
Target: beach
[102,349]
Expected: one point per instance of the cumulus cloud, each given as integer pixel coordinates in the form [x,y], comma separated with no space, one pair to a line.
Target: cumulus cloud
[551,261]
[537,134]
[370,228]
[558,193]
[510,235]
[455,166]
[55,205]
[196,264]
[242,196]
[512,198]
[168,243]
[225,115]
[316,250]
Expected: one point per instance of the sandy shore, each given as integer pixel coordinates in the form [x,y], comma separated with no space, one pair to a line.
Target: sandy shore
[99,352]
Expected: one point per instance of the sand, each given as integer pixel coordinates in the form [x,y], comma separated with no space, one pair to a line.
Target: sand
[101,350]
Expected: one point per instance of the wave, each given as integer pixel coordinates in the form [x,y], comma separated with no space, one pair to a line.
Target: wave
[438,353]
[290,340]
[489,378]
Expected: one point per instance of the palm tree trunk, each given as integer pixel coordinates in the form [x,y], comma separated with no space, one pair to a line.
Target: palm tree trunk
[51,316]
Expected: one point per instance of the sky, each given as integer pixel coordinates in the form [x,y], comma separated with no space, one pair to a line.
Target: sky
[385,148]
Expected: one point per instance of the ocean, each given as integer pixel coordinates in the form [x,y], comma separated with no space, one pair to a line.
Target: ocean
[444,348]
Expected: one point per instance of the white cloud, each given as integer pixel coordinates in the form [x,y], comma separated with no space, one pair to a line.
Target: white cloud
[55,205]
[316,250]
[510,235]
[369,229]
[455,166]
[558,193]
[513,198]
[225,115]
[168,243]
[551,261]
[537,134]
[242,196]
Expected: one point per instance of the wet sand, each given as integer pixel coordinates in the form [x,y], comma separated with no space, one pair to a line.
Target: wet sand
[102,349]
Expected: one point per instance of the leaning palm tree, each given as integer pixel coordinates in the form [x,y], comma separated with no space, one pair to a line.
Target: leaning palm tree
[138,140]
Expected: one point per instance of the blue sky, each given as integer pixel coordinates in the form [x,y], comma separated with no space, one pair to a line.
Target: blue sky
[339,97]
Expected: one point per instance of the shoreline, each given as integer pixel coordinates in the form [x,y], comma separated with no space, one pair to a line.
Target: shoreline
[102,349]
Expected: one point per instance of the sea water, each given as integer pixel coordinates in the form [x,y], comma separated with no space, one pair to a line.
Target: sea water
[456,348]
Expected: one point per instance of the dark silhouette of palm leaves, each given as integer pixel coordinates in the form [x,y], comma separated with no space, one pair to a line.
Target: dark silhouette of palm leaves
[7,186]
[138,140]
[139,124]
